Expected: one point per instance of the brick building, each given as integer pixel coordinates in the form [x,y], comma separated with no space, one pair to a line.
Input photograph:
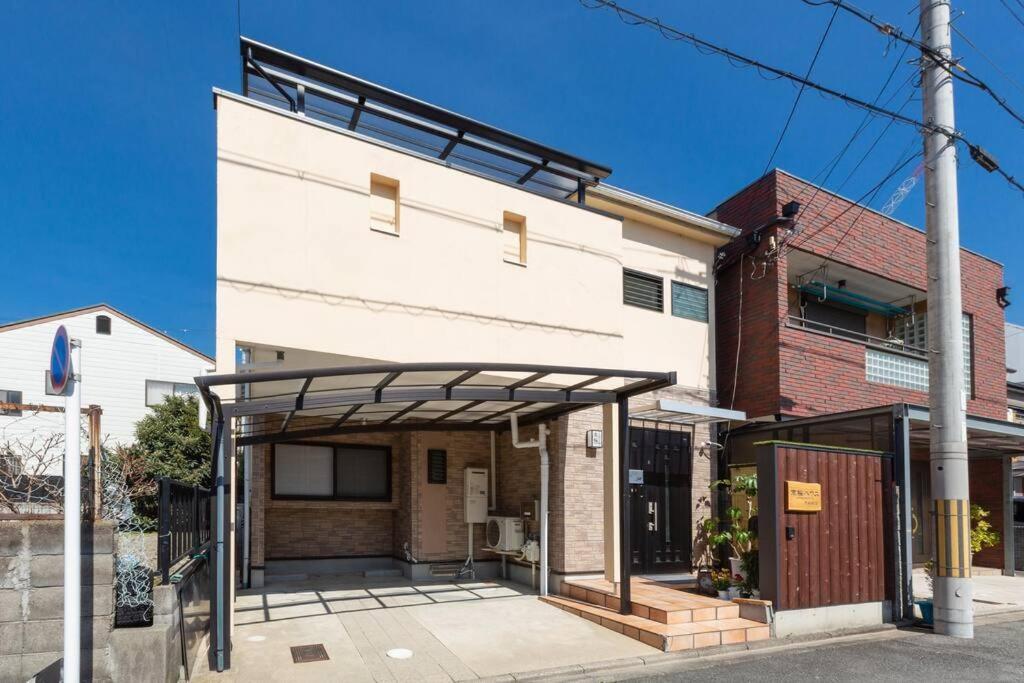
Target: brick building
[822,329]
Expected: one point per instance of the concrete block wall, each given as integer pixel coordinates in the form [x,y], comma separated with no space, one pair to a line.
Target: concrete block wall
[32,598]
[151,653]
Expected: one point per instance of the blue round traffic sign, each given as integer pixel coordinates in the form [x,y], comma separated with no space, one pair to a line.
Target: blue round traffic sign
[60,360]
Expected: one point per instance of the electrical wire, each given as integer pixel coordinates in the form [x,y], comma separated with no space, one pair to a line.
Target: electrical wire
[631,18]
[1010,10]
[856,166]
[995,66]
[800,92]
[953,67]
[859,202]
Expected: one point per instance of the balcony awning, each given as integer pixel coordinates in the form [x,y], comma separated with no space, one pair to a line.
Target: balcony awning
[840,295]
[319,402]
[678,412]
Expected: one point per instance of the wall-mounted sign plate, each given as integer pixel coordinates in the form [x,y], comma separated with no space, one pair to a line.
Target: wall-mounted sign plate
[802,496]
[636,476]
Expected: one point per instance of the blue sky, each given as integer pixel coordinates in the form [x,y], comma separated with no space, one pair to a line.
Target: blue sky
[107,169]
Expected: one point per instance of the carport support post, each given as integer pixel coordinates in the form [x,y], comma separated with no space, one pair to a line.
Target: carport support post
[625,554]
[904,532]
[612,486]
[220,594]
[1009,539]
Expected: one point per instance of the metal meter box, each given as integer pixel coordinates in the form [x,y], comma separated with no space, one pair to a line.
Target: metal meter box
[476,495]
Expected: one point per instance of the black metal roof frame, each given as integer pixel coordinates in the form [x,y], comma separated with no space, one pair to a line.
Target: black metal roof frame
[293,77]
[461,396]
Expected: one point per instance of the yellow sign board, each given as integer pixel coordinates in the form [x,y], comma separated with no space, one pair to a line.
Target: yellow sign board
[802,496]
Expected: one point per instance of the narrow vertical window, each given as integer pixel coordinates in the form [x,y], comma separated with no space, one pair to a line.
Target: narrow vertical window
[103,324]
[383,204]
[514,238]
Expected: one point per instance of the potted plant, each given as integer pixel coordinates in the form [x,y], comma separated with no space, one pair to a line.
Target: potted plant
[751,568]
[722,582]
[704,558]
[741,533]
[925,604]
[736,586]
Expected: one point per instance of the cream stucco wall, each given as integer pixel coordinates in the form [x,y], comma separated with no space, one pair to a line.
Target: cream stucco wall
[299,267]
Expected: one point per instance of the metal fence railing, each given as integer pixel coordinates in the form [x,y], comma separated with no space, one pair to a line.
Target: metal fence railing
[184,527]
[1018,547]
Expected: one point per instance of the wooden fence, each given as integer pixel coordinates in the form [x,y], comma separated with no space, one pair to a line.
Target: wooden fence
[825,525]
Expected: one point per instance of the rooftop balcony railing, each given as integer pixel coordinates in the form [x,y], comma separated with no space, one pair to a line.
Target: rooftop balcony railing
[315,91]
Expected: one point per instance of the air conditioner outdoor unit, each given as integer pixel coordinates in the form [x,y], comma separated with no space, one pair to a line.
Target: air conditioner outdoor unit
[505,533]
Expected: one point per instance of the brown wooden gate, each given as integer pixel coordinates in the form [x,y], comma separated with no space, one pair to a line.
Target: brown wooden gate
[836,555]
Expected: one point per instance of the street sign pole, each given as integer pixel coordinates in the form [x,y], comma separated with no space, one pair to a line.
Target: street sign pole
[72,503]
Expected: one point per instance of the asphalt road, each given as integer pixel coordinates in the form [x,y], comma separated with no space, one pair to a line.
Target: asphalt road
[995,654]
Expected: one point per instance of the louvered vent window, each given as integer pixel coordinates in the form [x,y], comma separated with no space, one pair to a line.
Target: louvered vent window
[689,302]
[642,290]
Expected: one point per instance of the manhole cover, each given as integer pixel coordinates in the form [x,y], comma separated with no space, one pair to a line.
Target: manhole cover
[399,653]
[309,653]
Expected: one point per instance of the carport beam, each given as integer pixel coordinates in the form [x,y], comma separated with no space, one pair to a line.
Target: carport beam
[1009,538]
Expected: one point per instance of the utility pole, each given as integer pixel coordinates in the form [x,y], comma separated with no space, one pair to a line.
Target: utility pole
[947,400]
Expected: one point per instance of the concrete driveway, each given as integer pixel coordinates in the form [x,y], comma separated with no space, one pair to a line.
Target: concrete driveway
[454,631]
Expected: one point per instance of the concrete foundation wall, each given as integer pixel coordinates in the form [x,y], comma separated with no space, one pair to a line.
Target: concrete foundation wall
[32,598]
[831,619]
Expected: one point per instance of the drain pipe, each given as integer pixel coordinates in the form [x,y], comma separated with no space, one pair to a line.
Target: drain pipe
[247,482]
[494,475]
[541,444]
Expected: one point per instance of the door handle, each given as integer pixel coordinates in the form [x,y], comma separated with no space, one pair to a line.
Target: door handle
[652,510]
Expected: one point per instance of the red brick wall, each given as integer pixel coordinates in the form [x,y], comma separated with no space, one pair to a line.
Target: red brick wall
[986,480]
[798,373]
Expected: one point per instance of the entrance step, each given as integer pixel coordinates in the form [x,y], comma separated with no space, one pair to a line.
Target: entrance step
[658,602]
[667,637]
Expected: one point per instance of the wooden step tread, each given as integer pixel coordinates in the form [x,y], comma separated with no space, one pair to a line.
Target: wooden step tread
[649,626]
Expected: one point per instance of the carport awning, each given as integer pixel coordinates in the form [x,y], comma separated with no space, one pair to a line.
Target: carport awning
[317,402]
[678,412]
[986,437]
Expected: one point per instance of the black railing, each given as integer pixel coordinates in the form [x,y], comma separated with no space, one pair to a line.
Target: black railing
[184,523]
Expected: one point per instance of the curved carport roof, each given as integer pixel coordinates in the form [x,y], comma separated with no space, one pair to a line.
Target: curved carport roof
[318,402]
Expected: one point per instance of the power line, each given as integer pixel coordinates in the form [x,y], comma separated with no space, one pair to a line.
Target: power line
[832,165]
[631,18]
[800,93]
[953,67]
[995,66]
[859,163]
[1010,10]
[869,196]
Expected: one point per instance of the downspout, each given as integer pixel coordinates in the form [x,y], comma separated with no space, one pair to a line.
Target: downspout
[494,474]
[246,482]
[541,444]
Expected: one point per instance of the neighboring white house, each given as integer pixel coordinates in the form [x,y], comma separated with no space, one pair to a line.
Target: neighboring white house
[126,367]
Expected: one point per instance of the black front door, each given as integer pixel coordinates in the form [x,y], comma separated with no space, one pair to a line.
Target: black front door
[660,512]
